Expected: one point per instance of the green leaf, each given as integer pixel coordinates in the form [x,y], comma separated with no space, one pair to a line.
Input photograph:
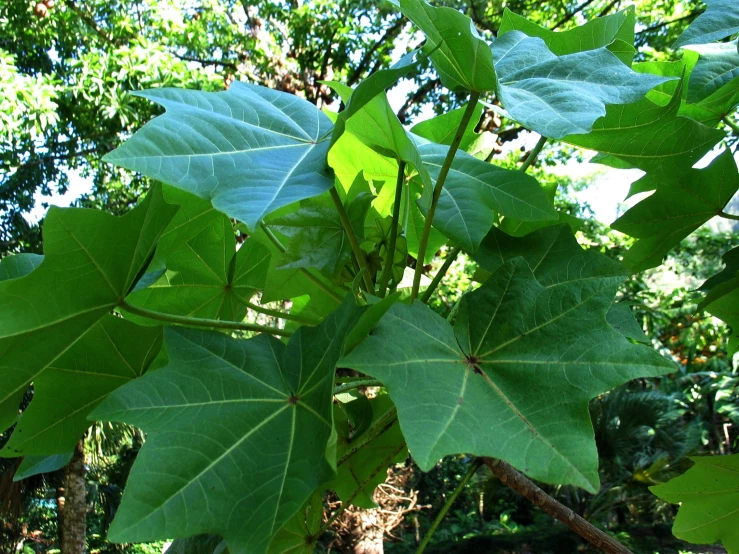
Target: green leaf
[720,20]
[718,65]
[377,126]
[112,353]
[36,465]
[474,190]
[250,150]
[650,137]
[729,273]
[442,128]
[217,403]
[317,237]
[365,469]
[461,57]
[722,299]
[561,95]
[708,494]
[299,534]
[19,265]
[369,88]
[199,544]
[622,320]
[91,261]
[553,254]
[680,205]
[514,376]
[615,32]
[206,276]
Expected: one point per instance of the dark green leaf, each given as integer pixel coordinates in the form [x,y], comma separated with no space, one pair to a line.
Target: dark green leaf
[217,403]
[680,205]
[36,465]
[91,260]
[19,265]
[718,65]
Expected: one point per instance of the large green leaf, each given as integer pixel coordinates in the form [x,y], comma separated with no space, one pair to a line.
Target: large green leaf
[91,261]
[718,65]
[364,469]
[461,57]
[206,276]
[300,534]
[217,404]
[720,20]
[112,353]
[250,150]
[650,137]
[615,32]
[680,205]
[561,95]
[475,190]
[514,376]
[708,494]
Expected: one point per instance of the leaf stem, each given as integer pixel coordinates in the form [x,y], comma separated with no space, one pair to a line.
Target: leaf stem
[280,315]
[344,505]
[731,125]
[476,463]
[443,172]
[356,384]
[450,257]
[387,271]
[514,479]
[358,252]
[200,322]
[728,216]
[377,429]
[533,154]
[318,281]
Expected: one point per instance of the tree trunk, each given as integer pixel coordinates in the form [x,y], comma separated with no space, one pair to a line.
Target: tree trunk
[74,520]
[371,529]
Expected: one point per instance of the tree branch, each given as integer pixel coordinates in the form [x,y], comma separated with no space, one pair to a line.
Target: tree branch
[572,14]
[526,488]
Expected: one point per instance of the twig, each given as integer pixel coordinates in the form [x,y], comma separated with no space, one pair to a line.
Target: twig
[443,172]
[356,384]
[526,488]
[200,322]
[450,257]
[448,504]
[387,271]
[353,242]
[533,154]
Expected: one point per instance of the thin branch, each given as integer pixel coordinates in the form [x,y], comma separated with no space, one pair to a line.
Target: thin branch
[90,22]
[443,172]
[533,154]
[572,14]
[394,29]
[201,61]
[416,98]
[200,322]
[448,504]
[353,242]
[451,256]
[608,8]
[666,23]
[526,488]
[731,125]
[387,271]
